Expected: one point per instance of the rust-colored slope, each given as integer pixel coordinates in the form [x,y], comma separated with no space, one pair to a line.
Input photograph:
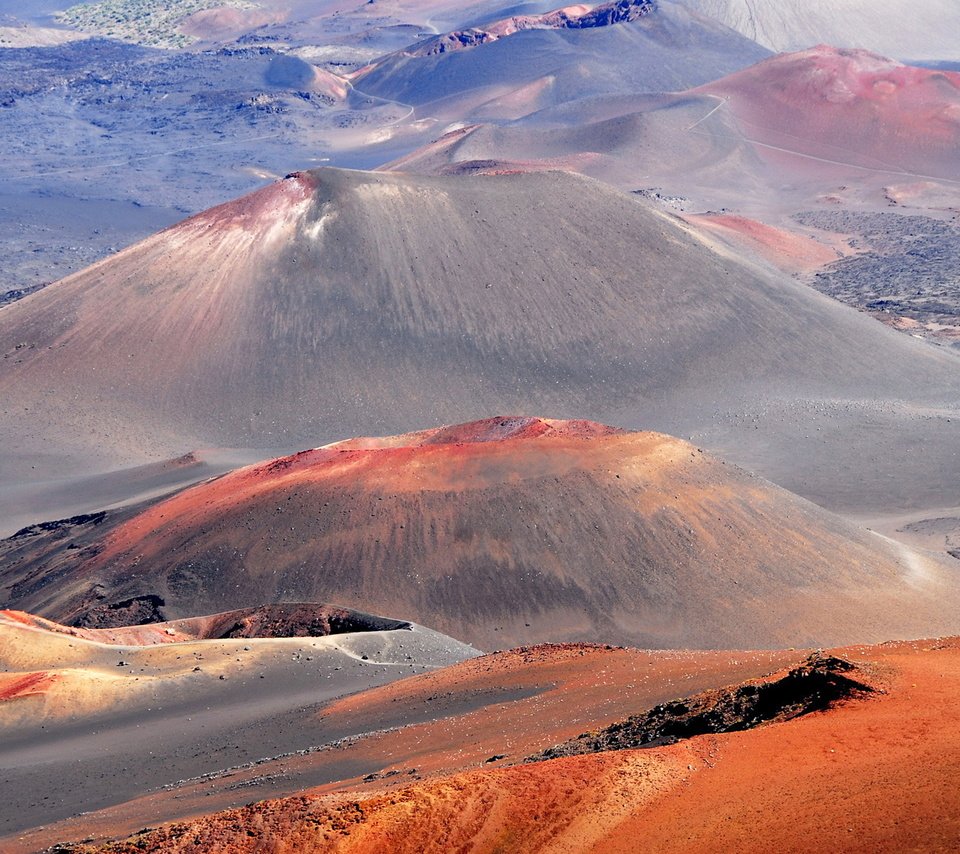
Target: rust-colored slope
[566,805]
[509,705]
[874,773]
[789,250]
[506,531]
[875,776]
[186,742]
[849,107]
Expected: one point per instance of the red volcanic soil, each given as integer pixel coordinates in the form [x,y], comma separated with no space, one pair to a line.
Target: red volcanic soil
[790,251]
[510,705]
[504,531]
[16,685]
[875,772]
[850,107]
[497,429]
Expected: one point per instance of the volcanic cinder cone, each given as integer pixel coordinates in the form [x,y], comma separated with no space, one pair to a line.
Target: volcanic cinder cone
[340,303]
[504,531]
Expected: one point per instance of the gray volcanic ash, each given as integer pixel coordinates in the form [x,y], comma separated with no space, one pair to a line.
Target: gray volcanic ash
[926,30]
[157,705]
[340,303]
[510,67]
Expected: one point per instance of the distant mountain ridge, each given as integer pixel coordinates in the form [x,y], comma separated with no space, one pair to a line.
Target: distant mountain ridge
[923,29]
[570,17]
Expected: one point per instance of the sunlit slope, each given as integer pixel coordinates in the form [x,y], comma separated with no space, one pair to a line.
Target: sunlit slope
[506,531]
[338,303]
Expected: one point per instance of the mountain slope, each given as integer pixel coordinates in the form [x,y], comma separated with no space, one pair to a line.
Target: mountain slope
[340,303]
[82,710]
[665,48]
[850,107]
[926,31]
[505,531]
[867,773]
[776,136]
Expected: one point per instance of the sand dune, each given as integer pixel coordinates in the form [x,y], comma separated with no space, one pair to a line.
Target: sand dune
[506,531]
